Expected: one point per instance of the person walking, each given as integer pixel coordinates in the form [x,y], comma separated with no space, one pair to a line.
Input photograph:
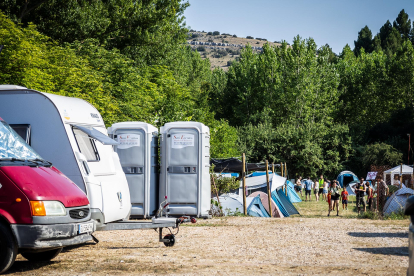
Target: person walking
[321,182]
[370,196]
[360,192]
[334,193]
[308,188]
[316,189]
[344,196]
[298,186]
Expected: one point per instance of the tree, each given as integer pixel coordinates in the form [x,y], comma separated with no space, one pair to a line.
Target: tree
[381,154]
[144,30]
[403,24]
[364,41]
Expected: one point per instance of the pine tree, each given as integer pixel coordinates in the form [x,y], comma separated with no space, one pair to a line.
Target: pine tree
[403,24]
[364,41]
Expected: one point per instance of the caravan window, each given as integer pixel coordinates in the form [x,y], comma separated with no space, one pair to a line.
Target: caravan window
[86,145]
[23,130]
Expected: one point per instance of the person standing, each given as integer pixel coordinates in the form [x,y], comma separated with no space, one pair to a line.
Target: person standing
[325,187]
[334,194]
[344,196]
[316,189]
[360,192]
[308,188]
[321,183]
[382,193]
[370,195]
[298,186]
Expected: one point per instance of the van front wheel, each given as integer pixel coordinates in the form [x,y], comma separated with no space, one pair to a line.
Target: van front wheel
[43,256]
[8,248]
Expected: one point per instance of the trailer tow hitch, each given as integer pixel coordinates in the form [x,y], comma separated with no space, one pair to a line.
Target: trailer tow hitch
[169,239]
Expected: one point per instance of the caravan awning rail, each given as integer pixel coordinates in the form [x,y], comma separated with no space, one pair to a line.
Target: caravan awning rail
[97,135]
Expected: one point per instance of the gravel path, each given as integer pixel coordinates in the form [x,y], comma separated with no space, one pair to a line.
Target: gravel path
[243,245]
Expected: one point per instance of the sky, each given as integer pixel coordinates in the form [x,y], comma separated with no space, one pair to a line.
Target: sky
[334,22]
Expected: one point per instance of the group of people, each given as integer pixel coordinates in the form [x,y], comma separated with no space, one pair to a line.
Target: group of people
[332,193]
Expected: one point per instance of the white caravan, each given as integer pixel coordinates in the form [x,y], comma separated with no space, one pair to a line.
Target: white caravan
[71,134]
[138,153]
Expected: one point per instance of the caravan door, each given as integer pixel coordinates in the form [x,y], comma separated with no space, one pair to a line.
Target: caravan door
[182,179]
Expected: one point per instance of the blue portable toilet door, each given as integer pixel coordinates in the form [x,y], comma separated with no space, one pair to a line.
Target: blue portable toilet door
[131,153]
[183,170]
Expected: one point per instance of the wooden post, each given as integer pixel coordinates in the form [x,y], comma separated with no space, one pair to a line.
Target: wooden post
[401,176]
[273,167]
[269,196]
[281,173]
[244,184]
[286,179]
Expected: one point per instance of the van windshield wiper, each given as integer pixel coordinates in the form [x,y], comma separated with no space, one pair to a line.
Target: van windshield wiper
[42,162]
[19,160]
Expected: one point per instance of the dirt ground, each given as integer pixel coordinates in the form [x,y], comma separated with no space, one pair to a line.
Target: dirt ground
[243,246]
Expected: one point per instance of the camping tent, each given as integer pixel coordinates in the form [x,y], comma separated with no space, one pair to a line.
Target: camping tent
[283,203]
[233,203]
[265,201]
[345,177]
[292,195]
[396,171]
[259,183]
[397,201]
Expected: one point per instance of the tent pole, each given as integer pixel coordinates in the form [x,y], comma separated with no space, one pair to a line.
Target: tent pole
[244,184]
[269,197]
[401,176]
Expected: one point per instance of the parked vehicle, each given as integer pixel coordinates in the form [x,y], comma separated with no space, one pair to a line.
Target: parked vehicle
[71,133]
[41,210]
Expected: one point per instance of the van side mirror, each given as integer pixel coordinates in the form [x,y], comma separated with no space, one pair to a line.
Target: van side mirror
[409,207]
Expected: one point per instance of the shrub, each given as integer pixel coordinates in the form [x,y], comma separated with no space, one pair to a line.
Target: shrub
[209,33]
[234,35]
[249,37]
[201,48]
[216,33]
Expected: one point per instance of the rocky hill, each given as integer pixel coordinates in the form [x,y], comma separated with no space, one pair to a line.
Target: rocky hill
[223,49]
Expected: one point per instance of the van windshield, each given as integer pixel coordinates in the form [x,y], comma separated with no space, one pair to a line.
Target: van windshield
[12,146]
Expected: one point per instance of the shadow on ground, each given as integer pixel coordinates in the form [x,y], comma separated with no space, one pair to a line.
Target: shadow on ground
[397,251]
[23,266]
[378,235]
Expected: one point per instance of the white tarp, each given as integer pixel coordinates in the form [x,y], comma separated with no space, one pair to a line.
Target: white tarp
[257,182]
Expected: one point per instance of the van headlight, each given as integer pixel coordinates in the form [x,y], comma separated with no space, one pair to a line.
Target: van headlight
[47,208]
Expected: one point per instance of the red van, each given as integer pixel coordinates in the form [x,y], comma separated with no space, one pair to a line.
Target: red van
[41,210]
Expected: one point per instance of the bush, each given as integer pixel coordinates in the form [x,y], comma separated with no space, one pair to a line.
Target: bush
[209,33]
[234,35]
[229,63]
[216,33]
[249,37]
[194,35]
[201,48]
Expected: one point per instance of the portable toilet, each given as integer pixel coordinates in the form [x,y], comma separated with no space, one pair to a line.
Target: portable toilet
[138,153]
[185,164]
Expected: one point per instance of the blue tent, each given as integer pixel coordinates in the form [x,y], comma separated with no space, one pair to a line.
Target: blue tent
[292,195]
[290,184]
[286,202]
[279,203]
[256,208]
[257,174]
[345,177]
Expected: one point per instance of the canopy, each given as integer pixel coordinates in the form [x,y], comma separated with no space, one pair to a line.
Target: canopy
[95,134]
[345,177]
[235,165]
[260,183]
[396,171]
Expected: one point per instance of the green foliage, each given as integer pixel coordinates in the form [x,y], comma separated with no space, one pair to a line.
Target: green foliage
[216,33]
[381,154]
[364,41]
[399,215]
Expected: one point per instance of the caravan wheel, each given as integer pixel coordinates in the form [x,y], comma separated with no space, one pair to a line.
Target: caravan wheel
[171,239]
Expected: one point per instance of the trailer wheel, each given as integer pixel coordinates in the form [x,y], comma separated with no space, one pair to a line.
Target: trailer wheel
[8,248]
[43,256]
[171,239]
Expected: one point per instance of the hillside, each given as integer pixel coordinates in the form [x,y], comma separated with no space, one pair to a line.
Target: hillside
[224,48]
